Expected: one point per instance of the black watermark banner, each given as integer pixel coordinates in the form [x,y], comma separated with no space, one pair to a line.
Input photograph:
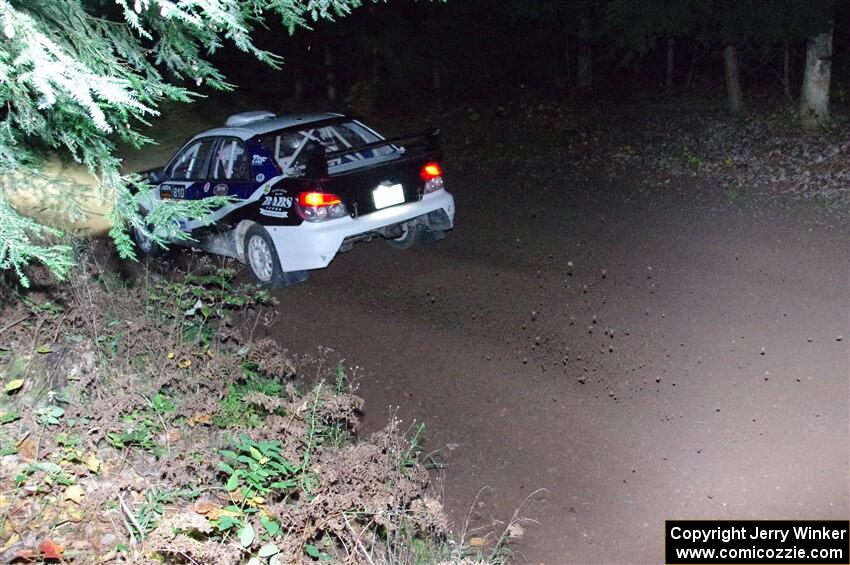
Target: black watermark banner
[761,542]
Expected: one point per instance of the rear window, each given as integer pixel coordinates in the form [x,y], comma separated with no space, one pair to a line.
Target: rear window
[286,146]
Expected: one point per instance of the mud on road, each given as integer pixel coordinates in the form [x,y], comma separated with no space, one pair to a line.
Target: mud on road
[640,355]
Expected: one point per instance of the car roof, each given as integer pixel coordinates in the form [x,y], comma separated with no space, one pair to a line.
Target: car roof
[255,123]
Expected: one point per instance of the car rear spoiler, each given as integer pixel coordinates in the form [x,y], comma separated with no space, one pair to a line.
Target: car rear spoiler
[317,157]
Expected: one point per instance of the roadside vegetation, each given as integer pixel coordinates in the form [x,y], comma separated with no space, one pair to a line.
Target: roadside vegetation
[141,422]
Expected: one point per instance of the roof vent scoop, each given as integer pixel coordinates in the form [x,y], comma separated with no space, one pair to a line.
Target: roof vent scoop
[246,118]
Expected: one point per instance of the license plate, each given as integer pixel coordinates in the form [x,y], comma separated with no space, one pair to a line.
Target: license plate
[388,195]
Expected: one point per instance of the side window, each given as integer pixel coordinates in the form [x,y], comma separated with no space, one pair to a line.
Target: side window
[193,162]
[231,161]
[283,146]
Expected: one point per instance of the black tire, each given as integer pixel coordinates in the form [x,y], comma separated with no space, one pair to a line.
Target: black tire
[146,246]
[262,260]
[261,257]
[409,236]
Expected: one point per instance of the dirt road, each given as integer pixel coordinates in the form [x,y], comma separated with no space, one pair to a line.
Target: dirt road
[642,356]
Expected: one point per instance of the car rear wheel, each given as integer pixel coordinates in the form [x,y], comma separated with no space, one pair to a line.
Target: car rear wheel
[261,257]
[409,236]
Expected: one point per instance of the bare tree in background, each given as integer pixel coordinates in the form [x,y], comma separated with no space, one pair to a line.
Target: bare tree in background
[671,63]
[814,99]
[733,79]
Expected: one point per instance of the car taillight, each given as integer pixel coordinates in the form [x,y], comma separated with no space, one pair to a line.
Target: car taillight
[430,171]
[318,199]
[320,206]
[432,174]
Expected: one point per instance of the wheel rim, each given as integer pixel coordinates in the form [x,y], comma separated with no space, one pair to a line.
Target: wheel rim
[260,258]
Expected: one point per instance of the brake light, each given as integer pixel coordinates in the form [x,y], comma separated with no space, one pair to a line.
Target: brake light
[432,174]
[318,199]
[430,171]
[320,206]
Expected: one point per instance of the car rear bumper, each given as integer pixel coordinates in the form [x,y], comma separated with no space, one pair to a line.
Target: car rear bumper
[314,245]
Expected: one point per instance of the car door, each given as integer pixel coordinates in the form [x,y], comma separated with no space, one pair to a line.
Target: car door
[230,172]
[188,172]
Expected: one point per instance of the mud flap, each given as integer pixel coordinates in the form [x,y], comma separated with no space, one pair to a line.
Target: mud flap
[438,220]
[430,236]
[289,278]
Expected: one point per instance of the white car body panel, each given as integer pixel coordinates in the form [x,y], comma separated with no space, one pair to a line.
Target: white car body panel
[314,245]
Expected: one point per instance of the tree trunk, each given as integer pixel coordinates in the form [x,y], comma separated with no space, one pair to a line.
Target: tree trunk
[585,66]
[692,67]
[298,87]
[568,65]
[330,83]
[438,87]
[671,54]
[733,80]
[814,99]
[297,67]
[584,56]
[786,71]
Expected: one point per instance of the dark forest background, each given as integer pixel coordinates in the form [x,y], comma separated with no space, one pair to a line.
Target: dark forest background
[407,55]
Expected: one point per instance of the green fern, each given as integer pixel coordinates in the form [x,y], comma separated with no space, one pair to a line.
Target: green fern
[23,240]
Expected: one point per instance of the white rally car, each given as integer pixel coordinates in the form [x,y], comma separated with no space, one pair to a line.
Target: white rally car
[305,187]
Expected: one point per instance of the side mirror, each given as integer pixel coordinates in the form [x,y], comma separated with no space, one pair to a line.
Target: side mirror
[154,176]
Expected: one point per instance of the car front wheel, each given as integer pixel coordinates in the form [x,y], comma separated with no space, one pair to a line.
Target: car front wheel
[147,246]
